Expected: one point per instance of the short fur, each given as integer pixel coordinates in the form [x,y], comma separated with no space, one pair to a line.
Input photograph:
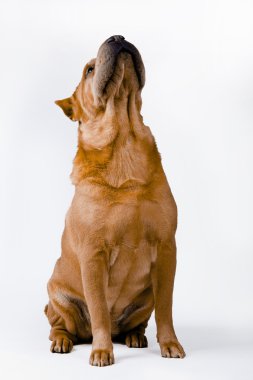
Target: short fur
[118,247]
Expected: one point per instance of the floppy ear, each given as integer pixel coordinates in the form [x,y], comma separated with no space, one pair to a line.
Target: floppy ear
[69,107]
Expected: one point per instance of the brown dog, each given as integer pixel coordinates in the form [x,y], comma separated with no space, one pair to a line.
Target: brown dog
[118,256]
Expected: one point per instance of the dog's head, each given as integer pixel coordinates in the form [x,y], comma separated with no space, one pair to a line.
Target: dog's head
[107,104]
[115,74]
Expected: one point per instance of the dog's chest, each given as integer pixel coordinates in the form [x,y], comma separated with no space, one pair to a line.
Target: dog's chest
[134,221]
[114,220]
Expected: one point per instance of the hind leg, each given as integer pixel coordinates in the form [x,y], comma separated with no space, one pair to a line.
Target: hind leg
[62,339]
[134,320]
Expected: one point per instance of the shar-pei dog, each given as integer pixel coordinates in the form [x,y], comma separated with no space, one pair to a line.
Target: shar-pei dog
[118,255]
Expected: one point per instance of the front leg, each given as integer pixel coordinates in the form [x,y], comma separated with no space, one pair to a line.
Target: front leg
[163,273]
[95,280]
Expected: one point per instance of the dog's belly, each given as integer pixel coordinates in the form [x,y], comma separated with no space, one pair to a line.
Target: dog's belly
[130,295]
[129,274]
[133,232]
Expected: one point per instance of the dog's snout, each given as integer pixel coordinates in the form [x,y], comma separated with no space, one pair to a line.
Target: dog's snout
[107,61]
[115,38]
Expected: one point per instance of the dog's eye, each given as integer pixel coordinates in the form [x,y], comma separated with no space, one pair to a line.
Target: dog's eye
[89,70]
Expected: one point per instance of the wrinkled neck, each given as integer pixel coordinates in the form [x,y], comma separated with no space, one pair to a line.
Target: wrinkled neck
[127,113]
[118,148]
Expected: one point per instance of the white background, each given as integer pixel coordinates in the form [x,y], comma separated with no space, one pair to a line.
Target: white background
[198,101]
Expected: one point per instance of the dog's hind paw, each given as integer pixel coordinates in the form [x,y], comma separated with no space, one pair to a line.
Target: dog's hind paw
[61,345]
[136,340]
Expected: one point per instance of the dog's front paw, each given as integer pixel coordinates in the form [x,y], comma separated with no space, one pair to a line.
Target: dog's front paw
[101,358]
[61,345]
[172,349]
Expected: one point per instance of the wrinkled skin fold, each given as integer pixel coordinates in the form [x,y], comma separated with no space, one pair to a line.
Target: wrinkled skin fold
[118,256]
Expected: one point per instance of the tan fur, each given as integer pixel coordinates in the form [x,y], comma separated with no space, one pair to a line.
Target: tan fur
[118,247]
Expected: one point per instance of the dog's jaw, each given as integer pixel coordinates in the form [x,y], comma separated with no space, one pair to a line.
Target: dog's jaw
[108,58]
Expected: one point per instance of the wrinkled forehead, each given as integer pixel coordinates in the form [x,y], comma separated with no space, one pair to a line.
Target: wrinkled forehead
[88,64]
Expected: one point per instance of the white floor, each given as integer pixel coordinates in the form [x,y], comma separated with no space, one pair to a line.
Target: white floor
[212,353]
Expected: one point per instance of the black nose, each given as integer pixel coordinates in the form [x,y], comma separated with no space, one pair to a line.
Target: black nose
[115,38]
